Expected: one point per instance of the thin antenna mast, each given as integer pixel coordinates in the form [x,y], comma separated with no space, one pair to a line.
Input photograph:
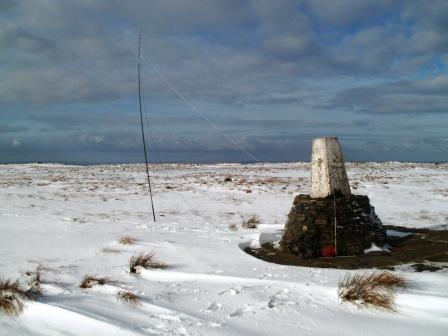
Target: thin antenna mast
[141,124]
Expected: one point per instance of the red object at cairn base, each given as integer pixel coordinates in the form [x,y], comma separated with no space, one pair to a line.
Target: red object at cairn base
[328,251]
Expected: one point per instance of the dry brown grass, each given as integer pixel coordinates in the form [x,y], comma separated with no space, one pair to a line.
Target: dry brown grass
[146,261]
[12,294]
[35,289]
[11,304]
[127,240]
[92,280]
[391,280]
[127,296]
[251,222]
[375,290]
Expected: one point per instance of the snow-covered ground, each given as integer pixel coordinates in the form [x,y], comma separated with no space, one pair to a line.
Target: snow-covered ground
[69,219]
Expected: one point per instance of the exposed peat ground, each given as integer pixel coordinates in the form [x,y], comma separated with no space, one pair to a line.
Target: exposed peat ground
[423,249]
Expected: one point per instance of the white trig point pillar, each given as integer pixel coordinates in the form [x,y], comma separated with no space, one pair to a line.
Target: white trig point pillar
[328,172]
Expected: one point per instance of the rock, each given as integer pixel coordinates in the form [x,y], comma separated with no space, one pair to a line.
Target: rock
[311,225]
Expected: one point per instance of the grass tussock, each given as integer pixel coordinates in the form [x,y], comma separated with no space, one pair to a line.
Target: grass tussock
[127,240]
[35,289]
[127,296]
[376,290]
[91,280]
[13,293]
[145,261]
[251,222]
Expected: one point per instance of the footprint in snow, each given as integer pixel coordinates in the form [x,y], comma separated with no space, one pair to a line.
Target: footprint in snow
[241,311]
[235,290]
[280,298]
[317,277]
[213,307]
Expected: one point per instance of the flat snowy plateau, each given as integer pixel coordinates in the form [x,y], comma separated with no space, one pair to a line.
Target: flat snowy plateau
[69,219]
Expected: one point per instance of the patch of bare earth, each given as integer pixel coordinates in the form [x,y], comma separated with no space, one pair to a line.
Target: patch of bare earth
[423,249]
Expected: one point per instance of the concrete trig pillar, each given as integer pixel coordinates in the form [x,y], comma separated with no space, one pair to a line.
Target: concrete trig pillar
[327,168]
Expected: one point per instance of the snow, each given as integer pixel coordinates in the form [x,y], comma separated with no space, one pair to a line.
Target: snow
[398,234]
[374,248]
[69,220]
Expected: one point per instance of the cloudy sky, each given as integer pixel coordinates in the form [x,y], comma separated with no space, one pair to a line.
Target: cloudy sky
[271,75]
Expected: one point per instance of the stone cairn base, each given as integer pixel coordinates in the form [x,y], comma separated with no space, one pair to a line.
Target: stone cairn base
[311,225]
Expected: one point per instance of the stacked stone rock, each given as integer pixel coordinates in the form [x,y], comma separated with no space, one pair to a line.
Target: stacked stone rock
[357,224]
[313,218]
